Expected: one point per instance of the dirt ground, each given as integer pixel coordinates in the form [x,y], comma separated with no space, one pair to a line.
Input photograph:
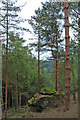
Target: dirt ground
[52,112]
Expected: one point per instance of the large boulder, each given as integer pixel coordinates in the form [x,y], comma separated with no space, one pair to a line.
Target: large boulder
[41,100]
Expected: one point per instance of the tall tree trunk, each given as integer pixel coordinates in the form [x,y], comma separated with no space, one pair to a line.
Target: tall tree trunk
[6,67]
[9,99]
[58,73]
[16,93]
[67,48]
[12,100]
[79,61]
[19,100]
[19,97]
[38,60]
[0,78]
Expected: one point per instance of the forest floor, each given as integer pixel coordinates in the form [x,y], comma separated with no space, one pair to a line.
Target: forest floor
[49,112]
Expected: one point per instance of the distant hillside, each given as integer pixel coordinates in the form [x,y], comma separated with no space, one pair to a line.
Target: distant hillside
[48,66]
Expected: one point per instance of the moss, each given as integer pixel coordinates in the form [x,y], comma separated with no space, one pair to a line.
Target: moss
[36,94]
[31,100]
[63,94]
[47,89]
[50,95]
[23,116]
[34,100]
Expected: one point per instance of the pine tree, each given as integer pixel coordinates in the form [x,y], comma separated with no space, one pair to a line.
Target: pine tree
[47,19]
[58,73]
[14,19]
[9,22]
[49,29]
[56,76]
[6,87]
[20,64]
[36,24]
[38,60]
[0,77]
[79,57]
[16,92]
[67,48]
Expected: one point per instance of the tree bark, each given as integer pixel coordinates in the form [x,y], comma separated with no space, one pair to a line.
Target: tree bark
[0,80]
[38,60]
[19,97]
[19,100]
[1,99]
[9,99]
[12,100]
[58,72]
[56,75]
[79,61]
[6,67]
[67,48]
[16,93]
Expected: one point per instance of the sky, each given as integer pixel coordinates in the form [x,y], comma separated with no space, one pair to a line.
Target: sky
[30,6]
[27,11]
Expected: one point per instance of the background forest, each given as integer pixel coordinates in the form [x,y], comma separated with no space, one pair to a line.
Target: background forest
[26,73]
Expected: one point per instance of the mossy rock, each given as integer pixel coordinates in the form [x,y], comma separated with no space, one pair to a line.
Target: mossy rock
[37,97]
[63,94]
[40,100]
[31,101]
[48,92]
[47,89]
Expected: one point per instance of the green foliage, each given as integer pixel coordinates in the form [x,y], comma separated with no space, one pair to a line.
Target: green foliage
[13,17]
[46,22]
[23,115]
[47,89]
[21,61]
[19,116]
[31,100]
